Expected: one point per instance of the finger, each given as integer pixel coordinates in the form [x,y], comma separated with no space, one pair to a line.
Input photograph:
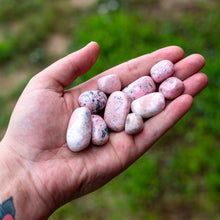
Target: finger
[188,66]
[156,126]
[195,84]
[66,70]
[137,67]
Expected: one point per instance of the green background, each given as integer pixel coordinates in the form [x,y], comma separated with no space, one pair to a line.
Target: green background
[179,178]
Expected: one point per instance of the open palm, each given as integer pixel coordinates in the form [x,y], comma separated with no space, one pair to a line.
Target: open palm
[37,129]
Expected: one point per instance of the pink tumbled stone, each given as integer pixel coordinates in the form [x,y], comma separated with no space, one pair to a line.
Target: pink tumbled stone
[148,105]
[140,87]
[109,84]
[117,108]
[79,129]
[100,134]
[134,123]
[162,70]
[94,100]
[171,87]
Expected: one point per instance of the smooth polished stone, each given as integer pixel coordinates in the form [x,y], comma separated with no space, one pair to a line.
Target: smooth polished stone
[134,123]
[100,134]
[94,100]
[162,70]
[109,84]
[140,87]
[148,105]
[116,111]
[79,129]
[171,88]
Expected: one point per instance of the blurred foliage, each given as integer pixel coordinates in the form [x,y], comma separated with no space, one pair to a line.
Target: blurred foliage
[11,9]
[180,176]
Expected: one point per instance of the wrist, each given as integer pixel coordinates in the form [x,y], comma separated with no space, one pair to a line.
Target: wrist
[16,183]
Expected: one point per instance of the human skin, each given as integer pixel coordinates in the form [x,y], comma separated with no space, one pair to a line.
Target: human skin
[38,170]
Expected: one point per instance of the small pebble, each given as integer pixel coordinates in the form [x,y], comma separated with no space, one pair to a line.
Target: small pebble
[94,100]
[100,134]
[79,129]
[148,105]
[171,87]
[117,108]
[109,84]
[134,123]
[140,87]
[162,70]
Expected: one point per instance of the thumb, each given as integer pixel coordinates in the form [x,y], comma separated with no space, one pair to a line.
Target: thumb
[64,71]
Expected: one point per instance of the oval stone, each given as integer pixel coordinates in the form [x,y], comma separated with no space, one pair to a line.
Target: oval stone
[79,129]
[109,84]
[117,108]
[94,100]
[140,87]
[171,87]
[100,134]
[134,123]
[148,105]
[162,70]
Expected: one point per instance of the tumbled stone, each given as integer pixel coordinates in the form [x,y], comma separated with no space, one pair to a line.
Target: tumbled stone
[171,88]
[140,87]
[79,129]
[94,100]
[134,123]
[162,70]
[117,108]
[148,105]
[100,134]
[109,84]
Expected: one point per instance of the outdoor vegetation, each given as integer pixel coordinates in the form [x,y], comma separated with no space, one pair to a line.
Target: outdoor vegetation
[179,178]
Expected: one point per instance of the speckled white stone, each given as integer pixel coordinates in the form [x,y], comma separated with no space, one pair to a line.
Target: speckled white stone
[79,129]
[148,105]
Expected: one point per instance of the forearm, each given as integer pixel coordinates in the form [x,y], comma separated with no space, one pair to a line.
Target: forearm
[18,197]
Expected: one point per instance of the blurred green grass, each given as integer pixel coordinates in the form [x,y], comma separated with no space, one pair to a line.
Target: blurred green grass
[179,178]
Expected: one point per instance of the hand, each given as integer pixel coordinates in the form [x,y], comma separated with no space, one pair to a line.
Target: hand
[34,145]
